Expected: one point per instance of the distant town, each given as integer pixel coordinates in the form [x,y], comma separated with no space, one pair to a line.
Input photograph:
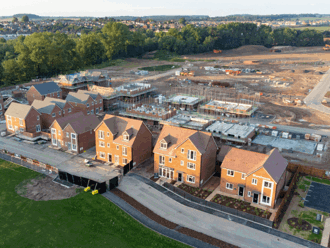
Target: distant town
[11,29]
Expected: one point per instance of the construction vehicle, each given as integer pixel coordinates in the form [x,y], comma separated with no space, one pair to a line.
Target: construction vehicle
[327,47]
[187,73]
[217,51]
[233,72]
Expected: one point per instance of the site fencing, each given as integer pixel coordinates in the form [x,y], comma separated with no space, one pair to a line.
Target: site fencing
[218,206]
[84,182]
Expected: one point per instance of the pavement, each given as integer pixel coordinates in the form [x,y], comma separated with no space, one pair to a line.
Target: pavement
[326,233]
[314,98]
[214,226]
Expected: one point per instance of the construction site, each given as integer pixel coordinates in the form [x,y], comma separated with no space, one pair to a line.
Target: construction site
[241,96]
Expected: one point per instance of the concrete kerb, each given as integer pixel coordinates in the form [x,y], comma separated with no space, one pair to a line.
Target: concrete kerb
[211,210]
[158,228]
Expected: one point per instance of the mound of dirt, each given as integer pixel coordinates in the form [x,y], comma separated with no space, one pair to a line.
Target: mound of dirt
[249,49]
[43,188]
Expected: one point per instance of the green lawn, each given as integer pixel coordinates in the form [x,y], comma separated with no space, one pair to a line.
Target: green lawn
[82,221]
[318,180]
[159,68]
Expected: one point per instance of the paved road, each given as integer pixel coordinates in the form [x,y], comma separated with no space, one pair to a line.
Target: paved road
[165,74]
[315,97]
[199,221]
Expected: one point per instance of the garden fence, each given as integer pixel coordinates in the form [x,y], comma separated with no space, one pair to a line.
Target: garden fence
[218,206]
[286,201]
[29,163]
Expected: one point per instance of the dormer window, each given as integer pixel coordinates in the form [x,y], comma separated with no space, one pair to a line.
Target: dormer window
[126,137]
[163,145]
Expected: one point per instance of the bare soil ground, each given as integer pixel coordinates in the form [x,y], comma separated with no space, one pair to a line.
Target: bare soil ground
[42,188]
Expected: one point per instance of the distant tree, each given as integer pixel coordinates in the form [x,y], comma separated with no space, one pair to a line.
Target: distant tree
[14,19]
[138,20]
[25,18]
[182,21]
[90,49]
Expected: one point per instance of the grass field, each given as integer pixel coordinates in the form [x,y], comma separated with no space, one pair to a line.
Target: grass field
[82,221]
[323,28]
[159,68]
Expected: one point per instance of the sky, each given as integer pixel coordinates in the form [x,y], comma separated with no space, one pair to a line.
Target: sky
[101,8]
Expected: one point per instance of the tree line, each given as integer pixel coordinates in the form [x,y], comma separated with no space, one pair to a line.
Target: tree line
[48,54]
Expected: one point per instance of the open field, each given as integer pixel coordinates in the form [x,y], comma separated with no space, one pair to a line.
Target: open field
[81,221]
[159,68]
[312,18]
[322,28]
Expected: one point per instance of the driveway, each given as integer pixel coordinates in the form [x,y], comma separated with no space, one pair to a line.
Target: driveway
[199,221]
[315,197]
[73,164]
[315,97]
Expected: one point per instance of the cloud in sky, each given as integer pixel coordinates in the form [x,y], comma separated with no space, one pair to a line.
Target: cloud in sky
[168,7]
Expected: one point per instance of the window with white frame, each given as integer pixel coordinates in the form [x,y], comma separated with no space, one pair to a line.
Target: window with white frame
[254,181]
[243,176]
[38,129]
[124,160]
[101,134]
[92,103]
[265,199]
[124,151]
[108,134]
[59,132]
[67,135]
[192,155]
[87,105]
[190,179]
[268,185]
[249,193]
[101,144]
[163,145]
[230,173]
[229,186]
[100,100]
[170,160]
[81,148]
[182,150]
[92,111]
[20,122]
[73,136]
[108,145]
[191,166]
[100,108]
[126,137]
[117,147]
[8,117]
[182,163]
[102,154]
[59,112]
[161,160]
[87,112]
[53,115]
[69,110]
[38,118]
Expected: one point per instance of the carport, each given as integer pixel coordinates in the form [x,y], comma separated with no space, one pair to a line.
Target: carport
[317,197]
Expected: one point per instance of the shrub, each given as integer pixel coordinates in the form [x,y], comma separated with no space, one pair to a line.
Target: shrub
[248,208]
[227,204]
[321,226]
[301,204]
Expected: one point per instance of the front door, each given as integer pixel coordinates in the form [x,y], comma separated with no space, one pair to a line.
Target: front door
[255,198]
[110,158]
[69,146]
[179,177]
[241,191]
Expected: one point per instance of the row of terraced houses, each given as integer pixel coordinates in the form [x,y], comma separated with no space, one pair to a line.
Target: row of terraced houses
[180,154]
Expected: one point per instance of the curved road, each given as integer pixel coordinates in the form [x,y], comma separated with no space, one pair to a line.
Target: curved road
[214,226]
[315,97]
